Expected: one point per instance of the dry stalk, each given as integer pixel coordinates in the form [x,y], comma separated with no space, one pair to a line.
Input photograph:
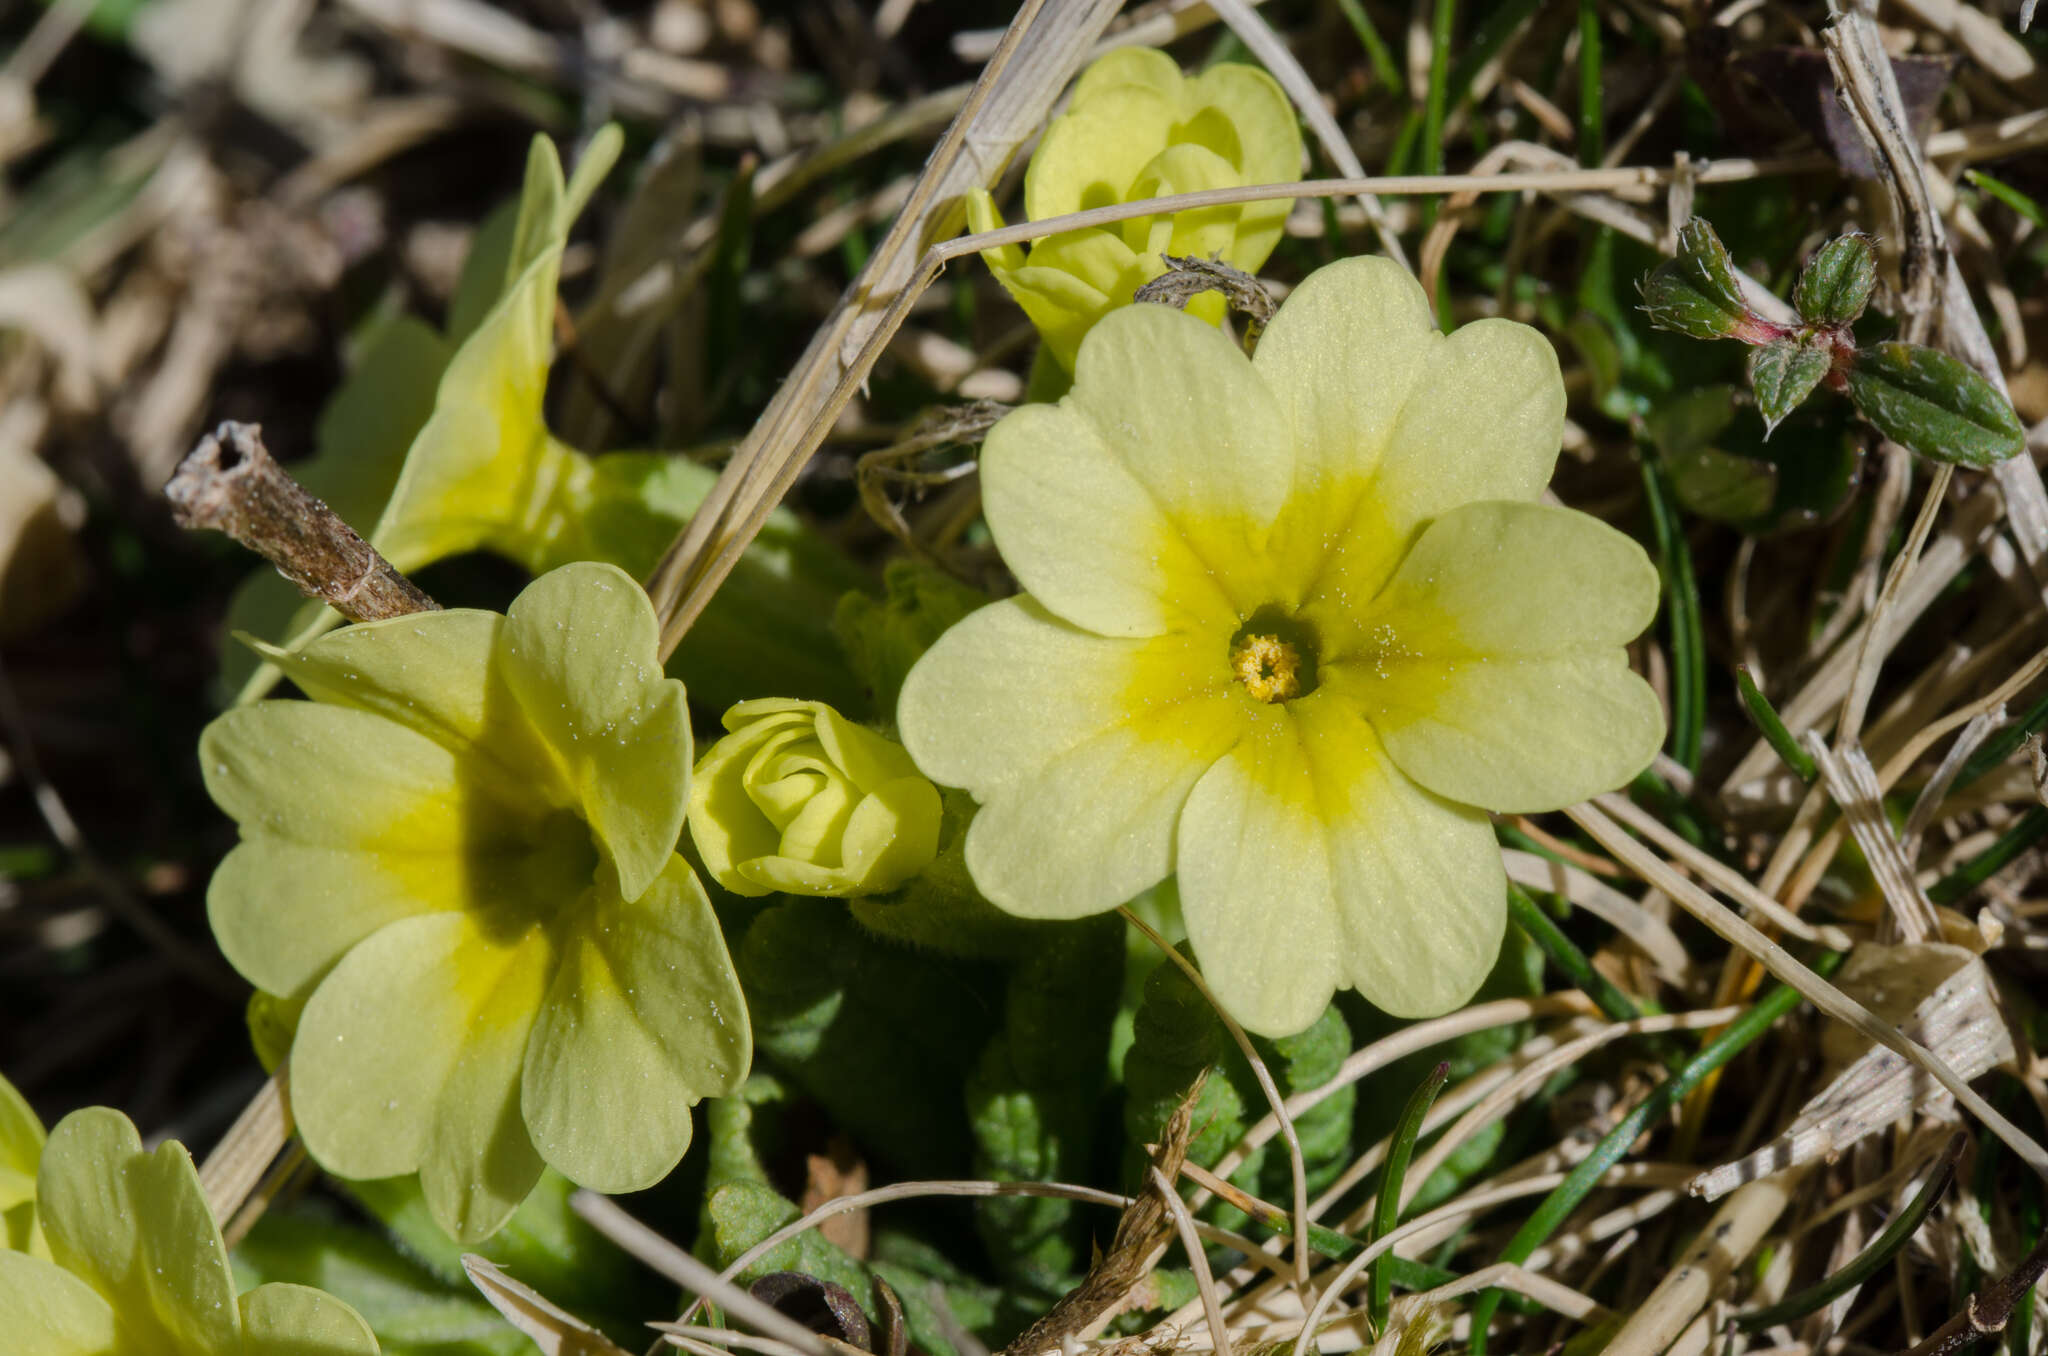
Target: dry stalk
[230,483]
[1731,928]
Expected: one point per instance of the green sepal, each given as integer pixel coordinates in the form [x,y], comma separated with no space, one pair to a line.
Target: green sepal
[1837,282]
[1783,373]
[1934,404]
[1697,293]
[884,637]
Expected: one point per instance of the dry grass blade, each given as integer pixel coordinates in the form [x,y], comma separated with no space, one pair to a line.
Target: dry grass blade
[1786,968]
[555,1330]
[1042,49]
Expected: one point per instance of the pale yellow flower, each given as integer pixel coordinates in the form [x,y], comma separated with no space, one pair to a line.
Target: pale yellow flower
[1137,128]
[1293,625]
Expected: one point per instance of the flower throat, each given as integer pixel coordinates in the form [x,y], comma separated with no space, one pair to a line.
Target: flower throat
[1273,655]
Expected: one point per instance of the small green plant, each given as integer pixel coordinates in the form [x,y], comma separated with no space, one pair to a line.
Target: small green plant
[1920,398]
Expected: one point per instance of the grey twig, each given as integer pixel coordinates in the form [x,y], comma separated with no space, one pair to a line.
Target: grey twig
[1187,278]
[230,483]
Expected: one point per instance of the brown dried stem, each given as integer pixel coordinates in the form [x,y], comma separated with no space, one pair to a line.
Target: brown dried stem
[1986,1313]
[230,483]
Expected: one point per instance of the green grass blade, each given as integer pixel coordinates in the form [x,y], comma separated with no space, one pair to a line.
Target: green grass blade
[1682,602]
[1559,1204]
[1592,119]
[1772,728]
[1376,50]
[1868,1262]
[2022,835]
[1387,1207]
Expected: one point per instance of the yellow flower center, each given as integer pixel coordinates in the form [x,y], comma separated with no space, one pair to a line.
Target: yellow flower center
[1274,655]
[1268,667]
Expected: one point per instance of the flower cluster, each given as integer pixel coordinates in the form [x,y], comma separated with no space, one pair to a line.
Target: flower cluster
[1294,624]
[1137,128]
[505,963]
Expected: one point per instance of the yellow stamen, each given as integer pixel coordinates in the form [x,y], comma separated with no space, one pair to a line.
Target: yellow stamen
[1268,667]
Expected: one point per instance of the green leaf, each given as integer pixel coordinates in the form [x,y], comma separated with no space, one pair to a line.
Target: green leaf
[1783,373]
[882,1036]
[1033,1101]
[412,1312]
[1697,293]
[1836,283]
[1934,404]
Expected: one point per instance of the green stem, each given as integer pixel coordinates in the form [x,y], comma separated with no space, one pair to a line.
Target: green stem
[1986,864]
[1386,1211]
[1682,599]
[1571,962]
[2002,744]
[1565,1198]
[1376,50]
[1773,729]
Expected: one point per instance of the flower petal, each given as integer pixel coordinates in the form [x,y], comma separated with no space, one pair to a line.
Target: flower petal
[1085,536]
[1490,700]
[1179,406]
[430,672]
[282,1319]
[1011,688]
[578,650]
[1090,154]
[1268,138]
[284,913]
[1255,883]
[136,1227]
[50,1312]
[21,1149]
[479,1162]
[381,1051]
[643,1018]
[1314,835]
[1342,355]
[1081,749]
[379,785]
[1483,422]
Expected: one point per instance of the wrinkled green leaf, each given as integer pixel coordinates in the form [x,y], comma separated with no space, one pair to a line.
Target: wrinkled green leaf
[882,1036]
[1697,294]
[1836,283]
[1033,1100]
[1934,404]
[1783,373]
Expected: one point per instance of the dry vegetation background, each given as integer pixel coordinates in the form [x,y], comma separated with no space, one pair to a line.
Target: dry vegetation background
[205,200]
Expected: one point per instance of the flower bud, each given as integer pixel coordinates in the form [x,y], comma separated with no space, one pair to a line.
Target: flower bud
[798,798]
